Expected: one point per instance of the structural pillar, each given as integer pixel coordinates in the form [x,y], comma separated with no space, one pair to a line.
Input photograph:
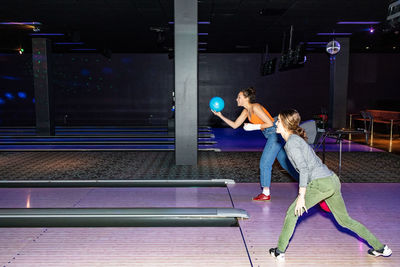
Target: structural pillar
[44,103]
[339,79]
[186,82]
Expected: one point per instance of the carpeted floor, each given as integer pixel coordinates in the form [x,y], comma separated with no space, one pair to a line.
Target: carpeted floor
[240,166]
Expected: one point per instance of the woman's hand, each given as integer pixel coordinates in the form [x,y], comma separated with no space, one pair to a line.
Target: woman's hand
[219,114]
[300,206]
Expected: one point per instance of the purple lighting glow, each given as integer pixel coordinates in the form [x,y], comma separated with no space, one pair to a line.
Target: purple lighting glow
[20,23]
[334,33]
[359,22]
[203,33]
[316,43]
[371,30]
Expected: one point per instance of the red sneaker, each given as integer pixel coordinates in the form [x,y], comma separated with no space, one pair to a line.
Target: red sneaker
[262,197]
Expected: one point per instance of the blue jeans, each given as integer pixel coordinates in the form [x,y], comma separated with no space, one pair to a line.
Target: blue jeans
[274,149]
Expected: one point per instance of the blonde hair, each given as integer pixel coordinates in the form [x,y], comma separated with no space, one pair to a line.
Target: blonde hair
[290,119]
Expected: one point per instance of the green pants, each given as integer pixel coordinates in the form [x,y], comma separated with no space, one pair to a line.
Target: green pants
[327,189]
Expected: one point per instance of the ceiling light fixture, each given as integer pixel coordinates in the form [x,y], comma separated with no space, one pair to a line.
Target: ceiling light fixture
[333,47]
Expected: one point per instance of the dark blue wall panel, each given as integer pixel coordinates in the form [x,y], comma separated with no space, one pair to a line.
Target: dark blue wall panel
[136,88]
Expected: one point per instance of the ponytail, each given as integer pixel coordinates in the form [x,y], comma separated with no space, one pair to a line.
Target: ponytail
[301,132]
[291,119]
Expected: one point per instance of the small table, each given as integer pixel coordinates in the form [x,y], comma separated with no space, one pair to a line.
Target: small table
[338,134]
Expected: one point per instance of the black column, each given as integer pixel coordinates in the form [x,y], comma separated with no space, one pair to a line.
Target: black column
[44,104]
[339,79]
[186,76]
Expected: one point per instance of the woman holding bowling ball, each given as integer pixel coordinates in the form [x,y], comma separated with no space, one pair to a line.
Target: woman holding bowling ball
[260,119]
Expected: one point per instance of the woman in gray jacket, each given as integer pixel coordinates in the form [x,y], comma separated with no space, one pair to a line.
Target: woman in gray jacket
[316,183]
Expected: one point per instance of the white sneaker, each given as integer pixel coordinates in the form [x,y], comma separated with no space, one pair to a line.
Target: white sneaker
[385,252]
[277,254]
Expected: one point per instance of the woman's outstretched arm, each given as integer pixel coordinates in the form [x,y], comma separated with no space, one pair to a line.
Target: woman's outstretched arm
[234,124]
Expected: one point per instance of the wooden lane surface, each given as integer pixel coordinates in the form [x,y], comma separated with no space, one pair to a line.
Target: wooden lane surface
[318,240]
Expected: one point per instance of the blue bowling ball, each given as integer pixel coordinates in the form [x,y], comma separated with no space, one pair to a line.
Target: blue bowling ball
[217,104]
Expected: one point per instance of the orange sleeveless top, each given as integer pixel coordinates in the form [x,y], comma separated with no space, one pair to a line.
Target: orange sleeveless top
[256,120]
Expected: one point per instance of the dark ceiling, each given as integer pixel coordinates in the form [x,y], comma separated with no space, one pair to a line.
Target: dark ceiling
[235,26]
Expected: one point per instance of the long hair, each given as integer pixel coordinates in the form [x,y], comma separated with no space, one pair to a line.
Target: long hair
[290,119]
[250,93]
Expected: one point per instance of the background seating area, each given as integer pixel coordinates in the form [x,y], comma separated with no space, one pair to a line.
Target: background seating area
[372,116]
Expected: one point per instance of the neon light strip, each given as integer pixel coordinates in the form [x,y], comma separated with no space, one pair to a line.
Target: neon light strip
[46,34]
[312,43]
[334,33]
[359,22]
[20,23]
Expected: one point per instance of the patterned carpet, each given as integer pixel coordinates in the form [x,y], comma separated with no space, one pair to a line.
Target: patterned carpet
[240,166]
